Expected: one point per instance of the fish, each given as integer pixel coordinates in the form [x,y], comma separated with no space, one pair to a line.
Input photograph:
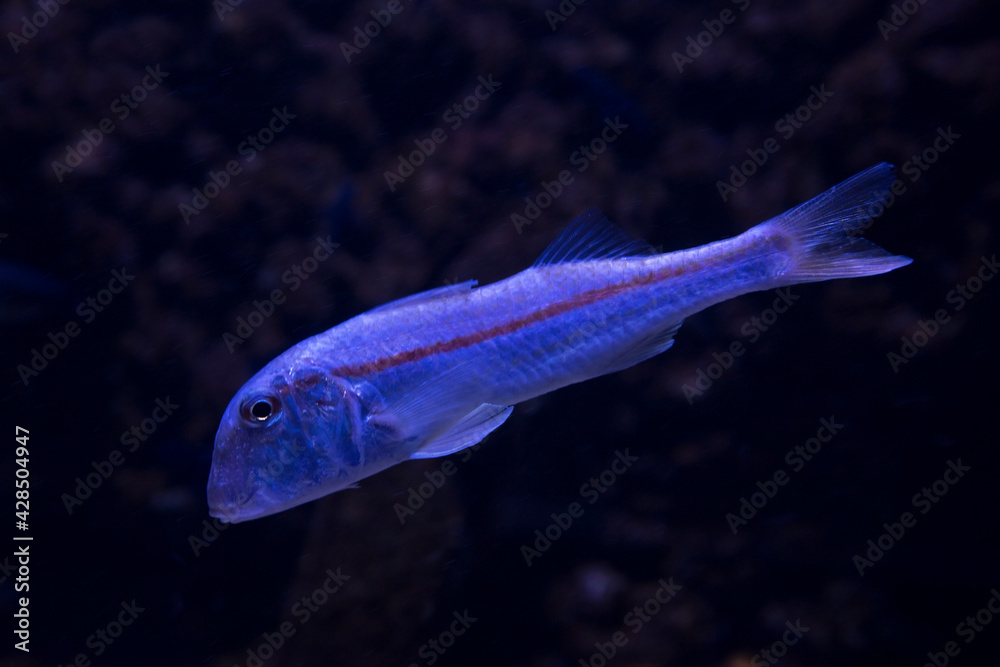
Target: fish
[436,372]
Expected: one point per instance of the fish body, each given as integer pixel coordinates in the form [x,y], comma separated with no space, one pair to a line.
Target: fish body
[436,372]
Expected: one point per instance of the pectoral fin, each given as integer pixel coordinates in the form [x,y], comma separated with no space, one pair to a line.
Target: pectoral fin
[439,410]
[469,430]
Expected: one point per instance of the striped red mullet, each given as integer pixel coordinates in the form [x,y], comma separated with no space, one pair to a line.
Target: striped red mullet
[436,372]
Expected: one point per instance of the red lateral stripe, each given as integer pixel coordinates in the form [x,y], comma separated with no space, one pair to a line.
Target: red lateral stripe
[552,310]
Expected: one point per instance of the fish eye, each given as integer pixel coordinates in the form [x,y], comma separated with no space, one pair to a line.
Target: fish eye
[260,409]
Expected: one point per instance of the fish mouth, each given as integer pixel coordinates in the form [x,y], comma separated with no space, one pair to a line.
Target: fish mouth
[228,501]
[242,506]
[229,509]
[235,503]
[234,514]
[241,514]
[241,509]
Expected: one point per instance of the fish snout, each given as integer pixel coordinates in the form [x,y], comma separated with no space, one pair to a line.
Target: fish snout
[227,500]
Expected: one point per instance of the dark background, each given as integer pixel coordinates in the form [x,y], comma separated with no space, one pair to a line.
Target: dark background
[451,221]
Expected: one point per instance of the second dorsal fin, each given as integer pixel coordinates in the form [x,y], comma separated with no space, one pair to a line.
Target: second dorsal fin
[592,236]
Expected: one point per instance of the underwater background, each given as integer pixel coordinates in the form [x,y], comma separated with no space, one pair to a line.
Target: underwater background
[829,496]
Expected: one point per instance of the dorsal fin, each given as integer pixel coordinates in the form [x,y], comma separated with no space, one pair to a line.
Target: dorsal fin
[592,236]
[428,295]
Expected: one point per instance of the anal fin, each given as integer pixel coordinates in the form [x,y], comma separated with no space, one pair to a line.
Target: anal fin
[648,347]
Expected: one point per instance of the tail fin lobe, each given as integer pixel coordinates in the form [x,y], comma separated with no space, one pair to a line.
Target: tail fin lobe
[821,230]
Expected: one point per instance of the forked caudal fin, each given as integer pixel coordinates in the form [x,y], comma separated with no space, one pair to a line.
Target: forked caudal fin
[823,231]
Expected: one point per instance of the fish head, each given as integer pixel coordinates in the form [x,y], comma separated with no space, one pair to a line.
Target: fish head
[287,437]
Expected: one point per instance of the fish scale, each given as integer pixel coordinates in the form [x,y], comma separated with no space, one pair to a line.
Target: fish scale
[523,333]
